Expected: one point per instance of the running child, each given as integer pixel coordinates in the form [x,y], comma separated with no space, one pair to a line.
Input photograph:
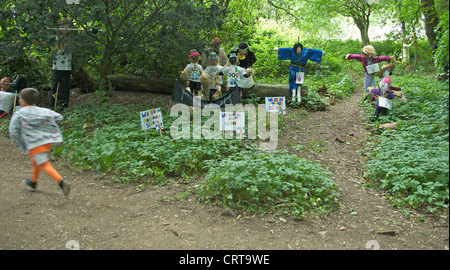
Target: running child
[33,130]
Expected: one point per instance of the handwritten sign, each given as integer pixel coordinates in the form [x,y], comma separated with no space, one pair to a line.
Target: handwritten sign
[73,2]
[151,119]
[230,121]
[276,104]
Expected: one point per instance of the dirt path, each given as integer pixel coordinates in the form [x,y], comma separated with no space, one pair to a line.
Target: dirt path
[101,215]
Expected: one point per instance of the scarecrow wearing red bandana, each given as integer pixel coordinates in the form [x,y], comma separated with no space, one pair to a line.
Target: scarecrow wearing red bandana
[194,73]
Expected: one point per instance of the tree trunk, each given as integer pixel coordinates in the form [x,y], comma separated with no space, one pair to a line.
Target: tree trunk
[83,81]
[431,21]
[365,36]
[363,26]
[416,53]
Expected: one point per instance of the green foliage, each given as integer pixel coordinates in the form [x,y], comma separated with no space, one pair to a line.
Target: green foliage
[151,38]
[412,162]
[441,55]
[108,137]
[269,181]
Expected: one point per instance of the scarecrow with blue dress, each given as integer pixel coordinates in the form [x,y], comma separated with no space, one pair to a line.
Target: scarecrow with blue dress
[299,57]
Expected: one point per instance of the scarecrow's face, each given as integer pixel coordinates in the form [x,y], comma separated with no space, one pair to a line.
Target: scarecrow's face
[194,59]
[384,86]
[367,56]
[214,62]
[299,50]
[243,51]
[233,60]
[5,87]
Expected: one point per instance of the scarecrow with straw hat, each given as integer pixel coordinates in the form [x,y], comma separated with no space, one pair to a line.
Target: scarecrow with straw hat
[369,63]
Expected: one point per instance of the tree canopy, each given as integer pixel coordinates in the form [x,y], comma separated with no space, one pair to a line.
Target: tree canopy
[153,38]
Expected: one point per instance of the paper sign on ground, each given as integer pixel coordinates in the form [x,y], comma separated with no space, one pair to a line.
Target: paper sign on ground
[151,119]
[276,104]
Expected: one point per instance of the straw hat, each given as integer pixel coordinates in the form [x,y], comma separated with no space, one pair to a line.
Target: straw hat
[369,50]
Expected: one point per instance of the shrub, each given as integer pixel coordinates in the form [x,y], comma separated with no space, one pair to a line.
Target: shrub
[269,181]
[109,138]
[412,162]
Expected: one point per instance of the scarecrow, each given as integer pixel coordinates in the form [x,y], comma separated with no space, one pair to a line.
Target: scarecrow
[194,73]
[246,60]
[234,72]
[299,57]
[383,95]
[215,80]
[218,50]
[386,71]
[369,63]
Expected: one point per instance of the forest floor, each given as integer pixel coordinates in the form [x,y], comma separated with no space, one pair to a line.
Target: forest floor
[99,214]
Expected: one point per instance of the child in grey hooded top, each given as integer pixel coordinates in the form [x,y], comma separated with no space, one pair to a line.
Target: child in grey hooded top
[33,130]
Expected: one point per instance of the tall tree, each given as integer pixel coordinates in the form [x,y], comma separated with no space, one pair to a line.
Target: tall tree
[129,31]
[431,21]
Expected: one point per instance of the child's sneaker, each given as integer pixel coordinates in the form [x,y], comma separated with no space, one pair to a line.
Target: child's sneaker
[30,185]
[65,187]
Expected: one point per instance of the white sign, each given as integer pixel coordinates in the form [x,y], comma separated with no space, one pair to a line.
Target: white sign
[151,119]
[230,121]
[300,77]
[276,104]
[384,103]
[73,2]
[371,69]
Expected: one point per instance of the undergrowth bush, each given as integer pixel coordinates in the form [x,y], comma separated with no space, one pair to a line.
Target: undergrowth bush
[269,182]
[107,138]
[412,162]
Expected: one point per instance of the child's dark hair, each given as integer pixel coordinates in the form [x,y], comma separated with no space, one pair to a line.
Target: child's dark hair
[30,96]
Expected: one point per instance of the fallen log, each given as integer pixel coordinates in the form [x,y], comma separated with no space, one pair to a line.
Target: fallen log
[123,82]
[270,90]
[136,83]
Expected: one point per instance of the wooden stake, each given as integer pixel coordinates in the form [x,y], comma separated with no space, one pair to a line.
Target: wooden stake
[15,100]
[56,95]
